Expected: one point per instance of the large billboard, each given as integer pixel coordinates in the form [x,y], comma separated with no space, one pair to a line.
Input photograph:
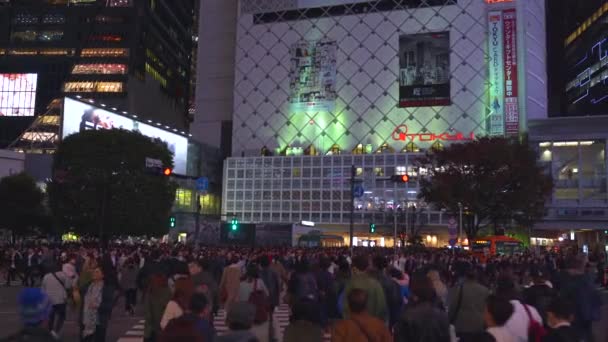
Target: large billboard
[424,70]
[496,122]
[79,116]
[313,76]
[18,94]
[510,61]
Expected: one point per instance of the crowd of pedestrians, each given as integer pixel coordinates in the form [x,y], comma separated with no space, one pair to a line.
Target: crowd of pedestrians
[423,295]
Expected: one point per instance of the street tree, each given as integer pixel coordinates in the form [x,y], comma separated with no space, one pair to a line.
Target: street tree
[496,181]
[101,187]
[21,204]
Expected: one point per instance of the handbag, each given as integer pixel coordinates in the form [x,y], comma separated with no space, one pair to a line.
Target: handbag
[68,292]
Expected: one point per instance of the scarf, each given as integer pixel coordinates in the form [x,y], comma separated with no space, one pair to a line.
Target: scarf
[92,301]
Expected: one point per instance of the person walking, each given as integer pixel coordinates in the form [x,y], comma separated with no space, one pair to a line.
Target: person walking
[56,285]
[498,311]
[34,308]
[253,290]
[304,324]
[423,320]
[157,297]
[229,284]
[128,283]
[97,302]
[360,326]
[466,305]
[376,301]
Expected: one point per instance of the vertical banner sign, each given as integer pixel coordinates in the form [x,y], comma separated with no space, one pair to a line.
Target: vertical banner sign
[510,62]
[496,74]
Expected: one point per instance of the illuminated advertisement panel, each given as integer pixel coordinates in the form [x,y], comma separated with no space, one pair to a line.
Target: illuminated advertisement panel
[496,122]
[79,116]
[424,70]
[313,76]
[510,72]
[18,94]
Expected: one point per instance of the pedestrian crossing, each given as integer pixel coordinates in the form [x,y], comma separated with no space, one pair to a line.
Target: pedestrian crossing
[135,334]
[280,320]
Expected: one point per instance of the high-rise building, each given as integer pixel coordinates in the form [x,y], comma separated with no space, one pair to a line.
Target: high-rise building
[325,87]
[578,71]
[128,54]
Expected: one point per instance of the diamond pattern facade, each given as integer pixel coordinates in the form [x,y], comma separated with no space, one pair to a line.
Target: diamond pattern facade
[366,110]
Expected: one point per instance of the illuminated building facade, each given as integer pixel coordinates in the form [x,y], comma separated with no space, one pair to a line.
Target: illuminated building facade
[133,55]
[323,86]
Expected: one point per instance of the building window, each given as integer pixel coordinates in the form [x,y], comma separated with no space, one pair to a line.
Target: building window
[53,18]
[183,198]
[25,18]
[24,36]
[82,2]
[93,87]
[57,52]
[109,19]
[156,75]
[48,36]
[119,3]
[334,150]
[23,52]
[105,69]
[359,149]
[385,148]
[411,147]
[106,38]
[103,52]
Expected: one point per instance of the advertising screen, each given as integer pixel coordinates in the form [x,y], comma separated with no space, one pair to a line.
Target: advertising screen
[18,94]
[79,116]
[313,76]
[424,70]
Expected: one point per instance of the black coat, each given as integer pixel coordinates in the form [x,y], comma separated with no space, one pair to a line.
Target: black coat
[562,334]
[423,322]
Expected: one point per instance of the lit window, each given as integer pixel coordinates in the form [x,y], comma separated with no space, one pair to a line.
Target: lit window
[24,36]
[183,197]
[53,18]
[359,149]
[25,18]
[47,36]
[93,87]
[411,147]
[106,38]
[103,52]
[334,150]
[56,52]
[119,3]
[156,75]
[23,52]
[109,19]
[385,148]
[107,69]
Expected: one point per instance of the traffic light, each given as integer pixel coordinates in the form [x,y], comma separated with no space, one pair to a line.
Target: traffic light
[172,222]
[234,224]
[167,171]
[372,227]
[400,178]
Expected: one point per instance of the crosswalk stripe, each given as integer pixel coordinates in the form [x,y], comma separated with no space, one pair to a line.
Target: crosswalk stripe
[135,333]
[130,339]
[139,326]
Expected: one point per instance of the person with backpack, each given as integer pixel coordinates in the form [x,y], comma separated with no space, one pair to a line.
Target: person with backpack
[253,290]
[376,301]
[56,285]
[525,324]
[392,290]
[302,283]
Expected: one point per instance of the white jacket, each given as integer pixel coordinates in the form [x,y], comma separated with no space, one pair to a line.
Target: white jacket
[519,322]
[173,310]
[54,288]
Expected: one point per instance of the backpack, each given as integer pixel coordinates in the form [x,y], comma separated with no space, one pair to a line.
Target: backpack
[260,300]
[536,331]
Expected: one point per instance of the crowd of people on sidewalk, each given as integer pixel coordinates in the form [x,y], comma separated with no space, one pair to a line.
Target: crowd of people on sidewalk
[418,295]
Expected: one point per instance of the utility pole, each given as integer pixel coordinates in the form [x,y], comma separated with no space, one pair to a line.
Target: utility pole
[460,224]
[395,229]
[197,218]
[353,173]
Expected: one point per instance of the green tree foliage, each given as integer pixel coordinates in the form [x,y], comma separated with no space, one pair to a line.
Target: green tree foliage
[21,208]
[100,184]
[497,180]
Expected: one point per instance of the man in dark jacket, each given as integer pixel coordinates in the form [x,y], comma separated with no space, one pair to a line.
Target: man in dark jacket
[560,314]
[34,307]
[392,291]
[271,280]
[540,294]
[204,282]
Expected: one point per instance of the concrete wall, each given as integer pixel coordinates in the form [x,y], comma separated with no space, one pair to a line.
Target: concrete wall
[11,163]
[215,70]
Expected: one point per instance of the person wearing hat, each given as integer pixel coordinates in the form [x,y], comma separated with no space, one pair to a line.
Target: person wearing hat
[34,308]
[240,321]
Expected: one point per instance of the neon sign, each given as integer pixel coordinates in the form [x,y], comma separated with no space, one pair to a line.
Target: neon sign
[401,133]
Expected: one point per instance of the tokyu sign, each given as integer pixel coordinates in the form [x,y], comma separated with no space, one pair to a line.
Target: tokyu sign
[401,133]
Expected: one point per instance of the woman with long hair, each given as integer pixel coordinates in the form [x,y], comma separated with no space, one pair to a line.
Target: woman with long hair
[184,289]
[252,289]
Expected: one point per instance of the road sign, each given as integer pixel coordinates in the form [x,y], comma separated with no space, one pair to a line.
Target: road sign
[358,191]
[151,163]
[202,184]
[452,226]
[452,242]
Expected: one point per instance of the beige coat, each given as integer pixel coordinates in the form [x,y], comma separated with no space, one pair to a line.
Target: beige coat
[229,285]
